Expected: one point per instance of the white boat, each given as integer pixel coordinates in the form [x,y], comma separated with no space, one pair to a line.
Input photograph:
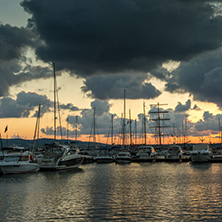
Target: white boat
[105,158]
[18,162]
[10,149]
[60,157]
[123,157]
[87,157]
[200,153]
[173,153]
[145,153]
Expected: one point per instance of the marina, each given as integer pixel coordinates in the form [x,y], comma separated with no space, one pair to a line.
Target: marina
[123,99]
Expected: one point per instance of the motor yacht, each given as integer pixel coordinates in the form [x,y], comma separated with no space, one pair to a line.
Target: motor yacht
[60,157]
[19,161]
[200,153]
[123,157]
[173,153]
[145,153]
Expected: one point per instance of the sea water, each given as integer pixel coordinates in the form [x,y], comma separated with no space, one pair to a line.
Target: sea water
[113,192]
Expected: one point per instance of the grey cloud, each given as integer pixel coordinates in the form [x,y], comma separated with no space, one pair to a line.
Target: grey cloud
[22,105]
[195,107]
[106,36]
[25,103]
[13,40]
[202,77]
[209,123]
[112,87]
[69,106]
[183,108]
[15,68]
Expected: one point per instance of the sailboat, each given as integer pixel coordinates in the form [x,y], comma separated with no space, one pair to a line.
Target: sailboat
[124,155]
[59,156]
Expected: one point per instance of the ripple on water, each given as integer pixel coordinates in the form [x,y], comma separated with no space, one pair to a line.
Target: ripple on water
[133,192]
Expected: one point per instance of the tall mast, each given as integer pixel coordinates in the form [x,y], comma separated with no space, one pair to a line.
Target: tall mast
[158,120]
[76,128]
[130,127]
[54,75]
[135,132]
[36,133]
[112,129]
[67,130]
[144,123]
[124,118]
[94,125]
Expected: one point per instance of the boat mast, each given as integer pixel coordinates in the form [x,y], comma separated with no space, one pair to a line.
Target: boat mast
[94,125]
[158,120]
[54,75]
[36,128]
[67,130]
[130,127]
[124,117]
[112,129]
[144,123]
[76,128]
[135,132]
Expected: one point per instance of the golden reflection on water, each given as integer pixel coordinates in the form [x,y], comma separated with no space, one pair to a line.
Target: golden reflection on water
[132,192]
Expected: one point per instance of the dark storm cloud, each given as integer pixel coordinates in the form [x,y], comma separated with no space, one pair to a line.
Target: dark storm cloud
[14,42]
[209,123]
[21,106]
[202,77]
[183,108]
[26,103]
[112,87]
[106,36]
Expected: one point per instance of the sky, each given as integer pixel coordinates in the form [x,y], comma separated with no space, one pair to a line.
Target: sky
[163,51]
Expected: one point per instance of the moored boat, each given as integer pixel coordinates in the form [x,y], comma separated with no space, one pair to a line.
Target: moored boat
[123,157]
[173,153]
[200,153]
[145,153]
[60,157]
[105,158]
[19,162]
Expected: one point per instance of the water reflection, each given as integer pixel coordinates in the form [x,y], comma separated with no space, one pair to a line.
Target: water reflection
[134,192]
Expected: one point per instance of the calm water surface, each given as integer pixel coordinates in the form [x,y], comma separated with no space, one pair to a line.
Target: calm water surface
[111,192]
